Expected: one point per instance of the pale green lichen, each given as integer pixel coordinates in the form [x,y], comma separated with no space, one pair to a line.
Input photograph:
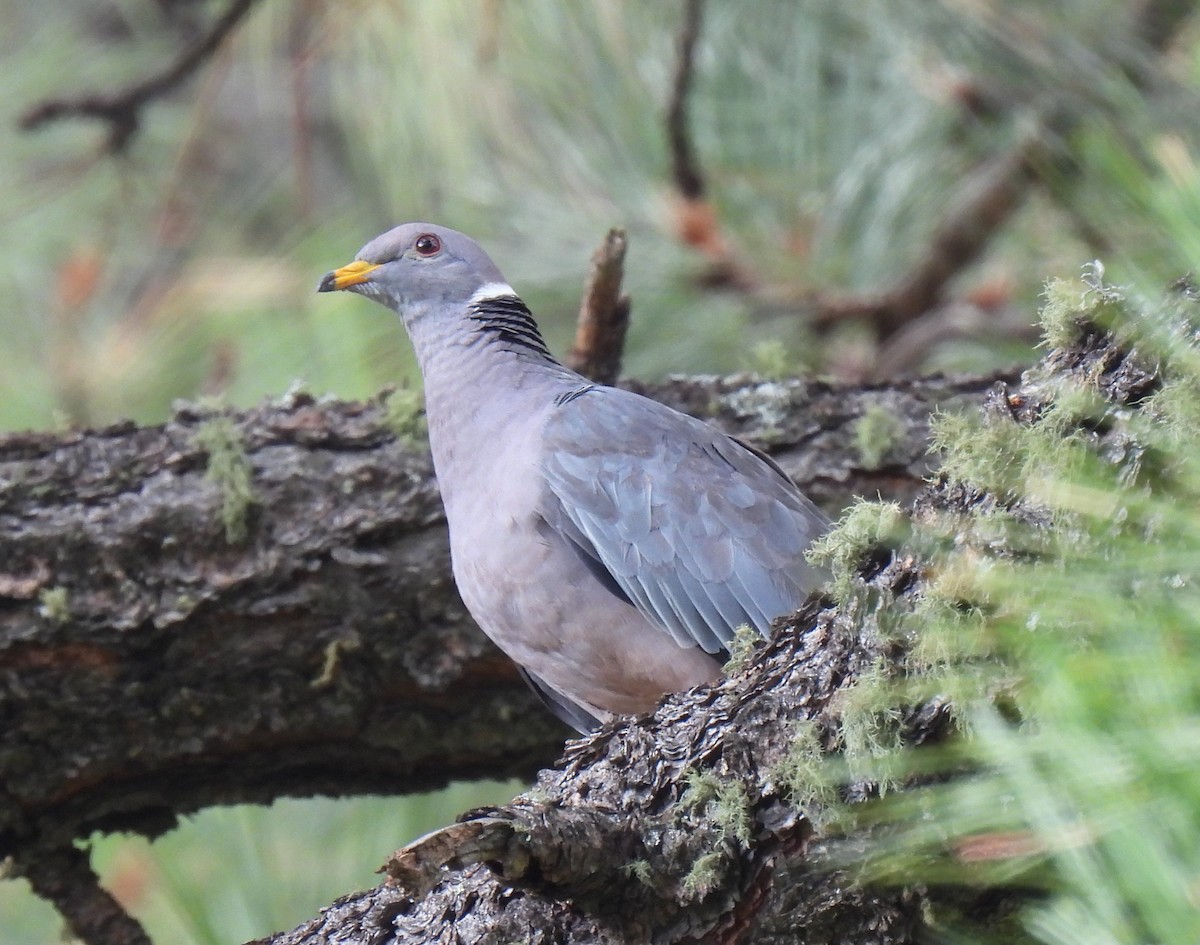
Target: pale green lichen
[876,433]
[54,605]
[746,641]
[864,525]
[704,875]
[404,414]
[725,803]
[229,470]
[641,871]
[770,360]
[332,662]
[768,404]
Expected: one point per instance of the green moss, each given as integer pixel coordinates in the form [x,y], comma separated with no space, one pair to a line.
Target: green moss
[641,871]
[732,813]
[332,662]
[871,723]
[704,875]
[1060,316]
[1176,408]
[875,434]
[770,360]
[805,774]
[726,803]
[1009,459]
[700,787]
[947,631]
[1071,305]
[863,526]
[230,470]
[55,605]
[404,414]
[746,641]
[973,451]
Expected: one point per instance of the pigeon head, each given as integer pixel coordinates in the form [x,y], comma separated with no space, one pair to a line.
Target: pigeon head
[417,267]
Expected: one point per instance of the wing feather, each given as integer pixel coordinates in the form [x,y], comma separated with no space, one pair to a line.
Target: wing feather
[700,532]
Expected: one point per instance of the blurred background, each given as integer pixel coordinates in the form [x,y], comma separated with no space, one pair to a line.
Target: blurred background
[853,190]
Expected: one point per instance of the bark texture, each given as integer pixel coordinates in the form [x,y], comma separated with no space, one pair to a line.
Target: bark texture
[237,607]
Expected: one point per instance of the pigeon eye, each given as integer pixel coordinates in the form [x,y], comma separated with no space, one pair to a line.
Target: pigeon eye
[427,245]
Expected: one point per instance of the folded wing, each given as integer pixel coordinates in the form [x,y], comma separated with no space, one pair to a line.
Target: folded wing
[701,533]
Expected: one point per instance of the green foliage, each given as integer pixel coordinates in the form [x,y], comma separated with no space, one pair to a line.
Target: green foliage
[1073,649]
[230,470]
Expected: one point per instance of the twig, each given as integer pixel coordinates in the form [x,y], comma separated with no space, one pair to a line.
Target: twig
[603,314]
[909,347]
[688,178]
[990,198]
[122,110]
[994,192]
[65,878]
[695,216]
[421,865]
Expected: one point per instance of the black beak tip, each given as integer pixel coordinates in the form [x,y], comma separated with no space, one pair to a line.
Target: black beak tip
[328,283]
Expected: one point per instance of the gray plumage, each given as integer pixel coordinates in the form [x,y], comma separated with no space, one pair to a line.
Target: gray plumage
[607,543]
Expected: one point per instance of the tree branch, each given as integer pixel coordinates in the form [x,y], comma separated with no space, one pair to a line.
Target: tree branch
[984,204]
[990,196]
[323,650]
[603,314]
[123,109]
[685,169]
[65,878]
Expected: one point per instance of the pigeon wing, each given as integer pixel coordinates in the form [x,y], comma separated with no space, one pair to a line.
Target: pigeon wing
[700,532]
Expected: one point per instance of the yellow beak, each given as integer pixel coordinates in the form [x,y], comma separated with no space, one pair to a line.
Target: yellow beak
[354,273]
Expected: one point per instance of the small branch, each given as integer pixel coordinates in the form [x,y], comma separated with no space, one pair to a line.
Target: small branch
[122,110]
[695,218]
[989,198]
[689,180]
[421,865]
[603,314]
[909,347]
[65,878]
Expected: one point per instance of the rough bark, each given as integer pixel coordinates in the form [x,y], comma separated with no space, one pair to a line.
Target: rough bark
[240,606]
[149,666]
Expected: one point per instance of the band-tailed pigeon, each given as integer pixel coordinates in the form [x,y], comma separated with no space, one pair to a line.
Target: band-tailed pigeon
[607,543]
